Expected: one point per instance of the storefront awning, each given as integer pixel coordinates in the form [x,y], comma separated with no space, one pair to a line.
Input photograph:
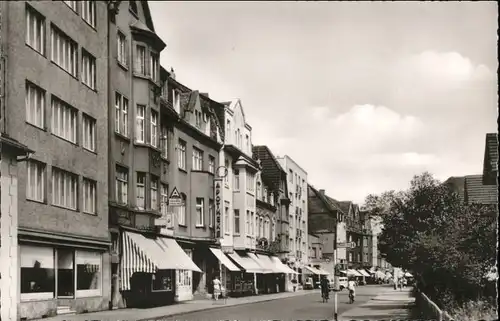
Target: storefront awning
[351,272]
[363,272]
[284,268]
[323,272]
[142,254]
[249,265]
[224,260]
[344,272]
[269,263]
[311,270]
[260,263]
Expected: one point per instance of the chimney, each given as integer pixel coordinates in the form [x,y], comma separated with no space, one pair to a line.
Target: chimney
[205,94]
[172,73]
[322,191]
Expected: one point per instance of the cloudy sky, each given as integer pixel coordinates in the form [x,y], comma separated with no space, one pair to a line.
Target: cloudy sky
[362,95]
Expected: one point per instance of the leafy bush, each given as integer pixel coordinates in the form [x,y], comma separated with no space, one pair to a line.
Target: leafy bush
[449,246]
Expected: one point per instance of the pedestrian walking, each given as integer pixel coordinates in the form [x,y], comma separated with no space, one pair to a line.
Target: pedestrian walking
[217,287]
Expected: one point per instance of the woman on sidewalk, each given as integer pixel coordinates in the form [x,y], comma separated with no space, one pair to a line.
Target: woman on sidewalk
[217,288]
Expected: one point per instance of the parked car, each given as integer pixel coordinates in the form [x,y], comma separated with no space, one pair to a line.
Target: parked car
[342,283]
[308,285]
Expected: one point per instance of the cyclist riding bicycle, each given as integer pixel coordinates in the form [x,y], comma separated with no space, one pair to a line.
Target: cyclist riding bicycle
[325,287]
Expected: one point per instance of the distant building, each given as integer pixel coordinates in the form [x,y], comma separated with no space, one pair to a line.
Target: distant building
[297,193]
[482,188]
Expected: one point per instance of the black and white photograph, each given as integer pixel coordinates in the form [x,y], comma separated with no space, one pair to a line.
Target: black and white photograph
[248,160]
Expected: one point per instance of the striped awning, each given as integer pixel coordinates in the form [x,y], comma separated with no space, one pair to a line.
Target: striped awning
[142,254]
[284,268]
[363,272]
[224,260]
[352,272]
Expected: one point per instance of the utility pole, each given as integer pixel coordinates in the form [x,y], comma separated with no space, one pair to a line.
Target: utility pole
[335,276]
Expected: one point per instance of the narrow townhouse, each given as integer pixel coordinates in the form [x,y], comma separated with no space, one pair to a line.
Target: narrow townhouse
[297,193]
[53,92]
[194,141]
[326,221]
[276,193]
[239,198]
[148,267]
[358,235]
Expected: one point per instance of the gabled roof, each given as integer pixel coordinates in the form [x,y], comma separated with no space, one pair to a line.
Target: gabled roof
[147,15]
[477,192]
[271,169]
[345,206]
[330,203]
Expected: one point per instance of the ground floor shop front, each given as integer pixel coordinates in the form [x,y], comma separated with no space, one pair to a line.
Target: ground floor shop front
[62,275]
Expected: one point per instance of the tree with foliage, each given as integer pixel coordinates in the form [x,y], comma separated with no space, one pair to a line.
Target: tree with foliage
[448,245]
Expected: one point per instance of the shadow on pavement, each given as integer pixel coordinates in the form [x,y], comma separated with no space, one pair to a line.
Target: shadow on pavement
[389,307]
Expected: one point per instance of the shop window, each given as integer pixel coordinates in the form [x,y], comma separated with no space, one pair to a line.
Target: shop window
[183,277]
[39,280]
[37,273]
[88,273]
[162,281]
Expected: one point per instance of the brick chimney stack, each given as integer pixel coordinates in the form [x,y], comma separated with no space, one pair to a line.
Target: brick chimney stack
[322,191]
[172,73]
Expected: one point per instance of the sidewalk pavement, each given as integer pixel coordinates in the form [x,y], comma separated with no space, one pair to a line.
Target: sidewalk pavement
[175,309]
[389,304]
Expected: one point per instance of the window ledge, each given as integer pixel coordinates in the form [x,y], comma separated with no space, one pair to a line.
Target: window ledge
[88,24]
[36,201]
[38,52]
[122,64]
[89,213]
[123,137]
[141,76]
[66,140]
[65,208]
[70,74]
[89,88]
[183,225]
[200,226]
[183,170]
[90,151]
[36,126]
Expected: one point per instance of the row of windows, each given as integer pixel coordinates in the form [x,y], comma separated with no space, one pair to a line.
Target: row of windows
[197,158]
[264,195]
[238,138]
[64,117]
[65,188]
[146,62]
[64,50]
[87,9]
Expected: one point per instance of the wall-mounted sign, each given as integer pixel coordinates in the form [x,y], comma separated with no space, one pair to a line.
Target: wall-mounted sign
[165,221]
[175,198]
[218,220]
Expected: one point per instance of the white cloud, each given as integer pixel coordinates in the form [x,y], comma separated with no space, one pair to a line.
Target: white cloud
[439,69]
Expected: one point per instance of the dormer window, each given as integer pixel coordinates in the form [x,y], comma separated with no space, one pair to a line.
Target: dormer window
[153,66]
[140,61]
[176,100]
[205,117]
[198,118]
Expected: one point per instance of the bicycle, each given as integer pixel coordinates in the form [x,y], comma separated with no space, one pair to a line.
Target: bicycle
[325,297]
[351,297]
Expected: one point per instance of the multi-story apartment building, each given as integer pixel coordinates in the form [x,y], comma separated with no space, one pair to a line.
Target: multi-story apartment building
[239,196]
[277,194]
[297,193]
[54,87]
[163,144]
[357,256]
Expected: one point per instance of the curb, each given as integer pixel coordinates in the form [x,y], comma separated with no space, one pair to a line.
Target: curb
[215,306]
